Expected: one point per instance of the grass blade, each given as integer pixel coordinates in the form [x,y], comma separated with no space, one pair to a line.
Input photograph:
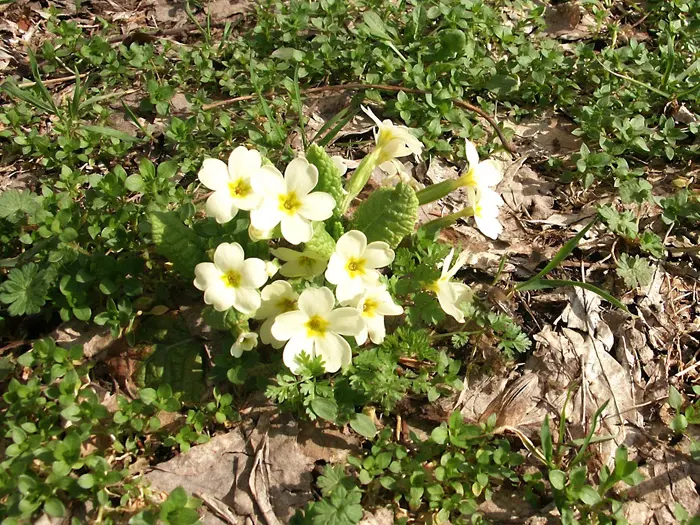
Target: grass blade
[296,96]
[111,133]
[27,96]
[562,254]
[540,284]
[40,84]
[339,121]
[589,436]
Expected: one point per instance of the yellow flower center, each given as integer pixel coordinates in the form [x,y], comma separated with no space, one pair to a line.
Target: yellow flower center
[239,188]
[369,307]
[316,326]
[355,267]
[468,179]
[435,286]
[289,203]
[286,304]
[232,279]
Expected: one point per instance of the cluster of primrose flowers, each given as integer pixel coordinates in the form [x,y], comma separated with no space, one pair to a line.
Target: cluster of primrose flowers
[350,300]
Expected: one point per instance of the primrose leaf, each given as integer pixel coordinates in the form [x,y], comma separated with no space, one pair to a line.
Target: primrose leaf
[176,242]
[329,179]
[321,242]
[388,214]
[24,290]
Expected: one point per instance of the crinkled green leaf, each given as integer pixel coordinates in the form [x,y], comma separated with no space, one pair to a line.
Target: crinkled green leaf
[176,242]
[388,214]
[321,243]
[329,179]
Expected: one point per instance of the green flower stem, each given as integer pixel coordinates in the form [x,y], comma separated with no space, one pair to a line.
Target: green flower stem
[447,220]
[438,191]
[360,178]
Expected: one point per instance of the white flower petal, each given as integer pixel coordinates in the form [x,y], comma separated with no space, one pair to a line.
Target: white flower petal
[472,153]
[205,275]
[266,334]
[229,257]
[214,174]
[335,351]
[247,300]
[447,299]
[253,273]
[271,296]
[487,173]
[335,273]
[317,206]
[300,177]
[351,244]
[376,329]
[293,349]
[296,229]
[249,202]
[362,337]
[446,262]
[316,301]
[339,163]
[345,321]
[371,115]
[378,254]
[220,297]
[387,306]
[288,325]
[244,162]
[268,181]
[462,293]
[267,216]
[489,226]
[221,206]
[348,290]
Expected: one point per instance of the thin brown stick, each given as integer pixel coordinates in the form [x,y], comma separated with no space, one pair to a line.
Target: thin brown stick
[382,87]
[52,81]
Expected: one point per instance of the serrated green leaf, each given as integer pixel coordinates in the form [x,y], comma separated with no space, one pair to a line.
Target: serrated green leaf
[635,271]
[15,203]
[24,290]
[388,214]
[176,242]
[329,180]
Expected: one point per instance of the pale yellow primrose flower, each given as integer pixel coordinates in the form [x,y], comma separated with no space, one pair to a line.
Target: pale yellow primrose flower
[231,184]
[288,200]
[316,328]
[231,280]
[300,264]
[450,295]
[393,141]
[277,298]
[485,204]
[479,174]
[353,265]
[245,342]
[373,305]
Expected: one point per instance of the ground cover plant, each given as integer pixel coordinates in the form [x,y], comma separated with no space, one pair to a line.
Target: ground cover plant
[335,262]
